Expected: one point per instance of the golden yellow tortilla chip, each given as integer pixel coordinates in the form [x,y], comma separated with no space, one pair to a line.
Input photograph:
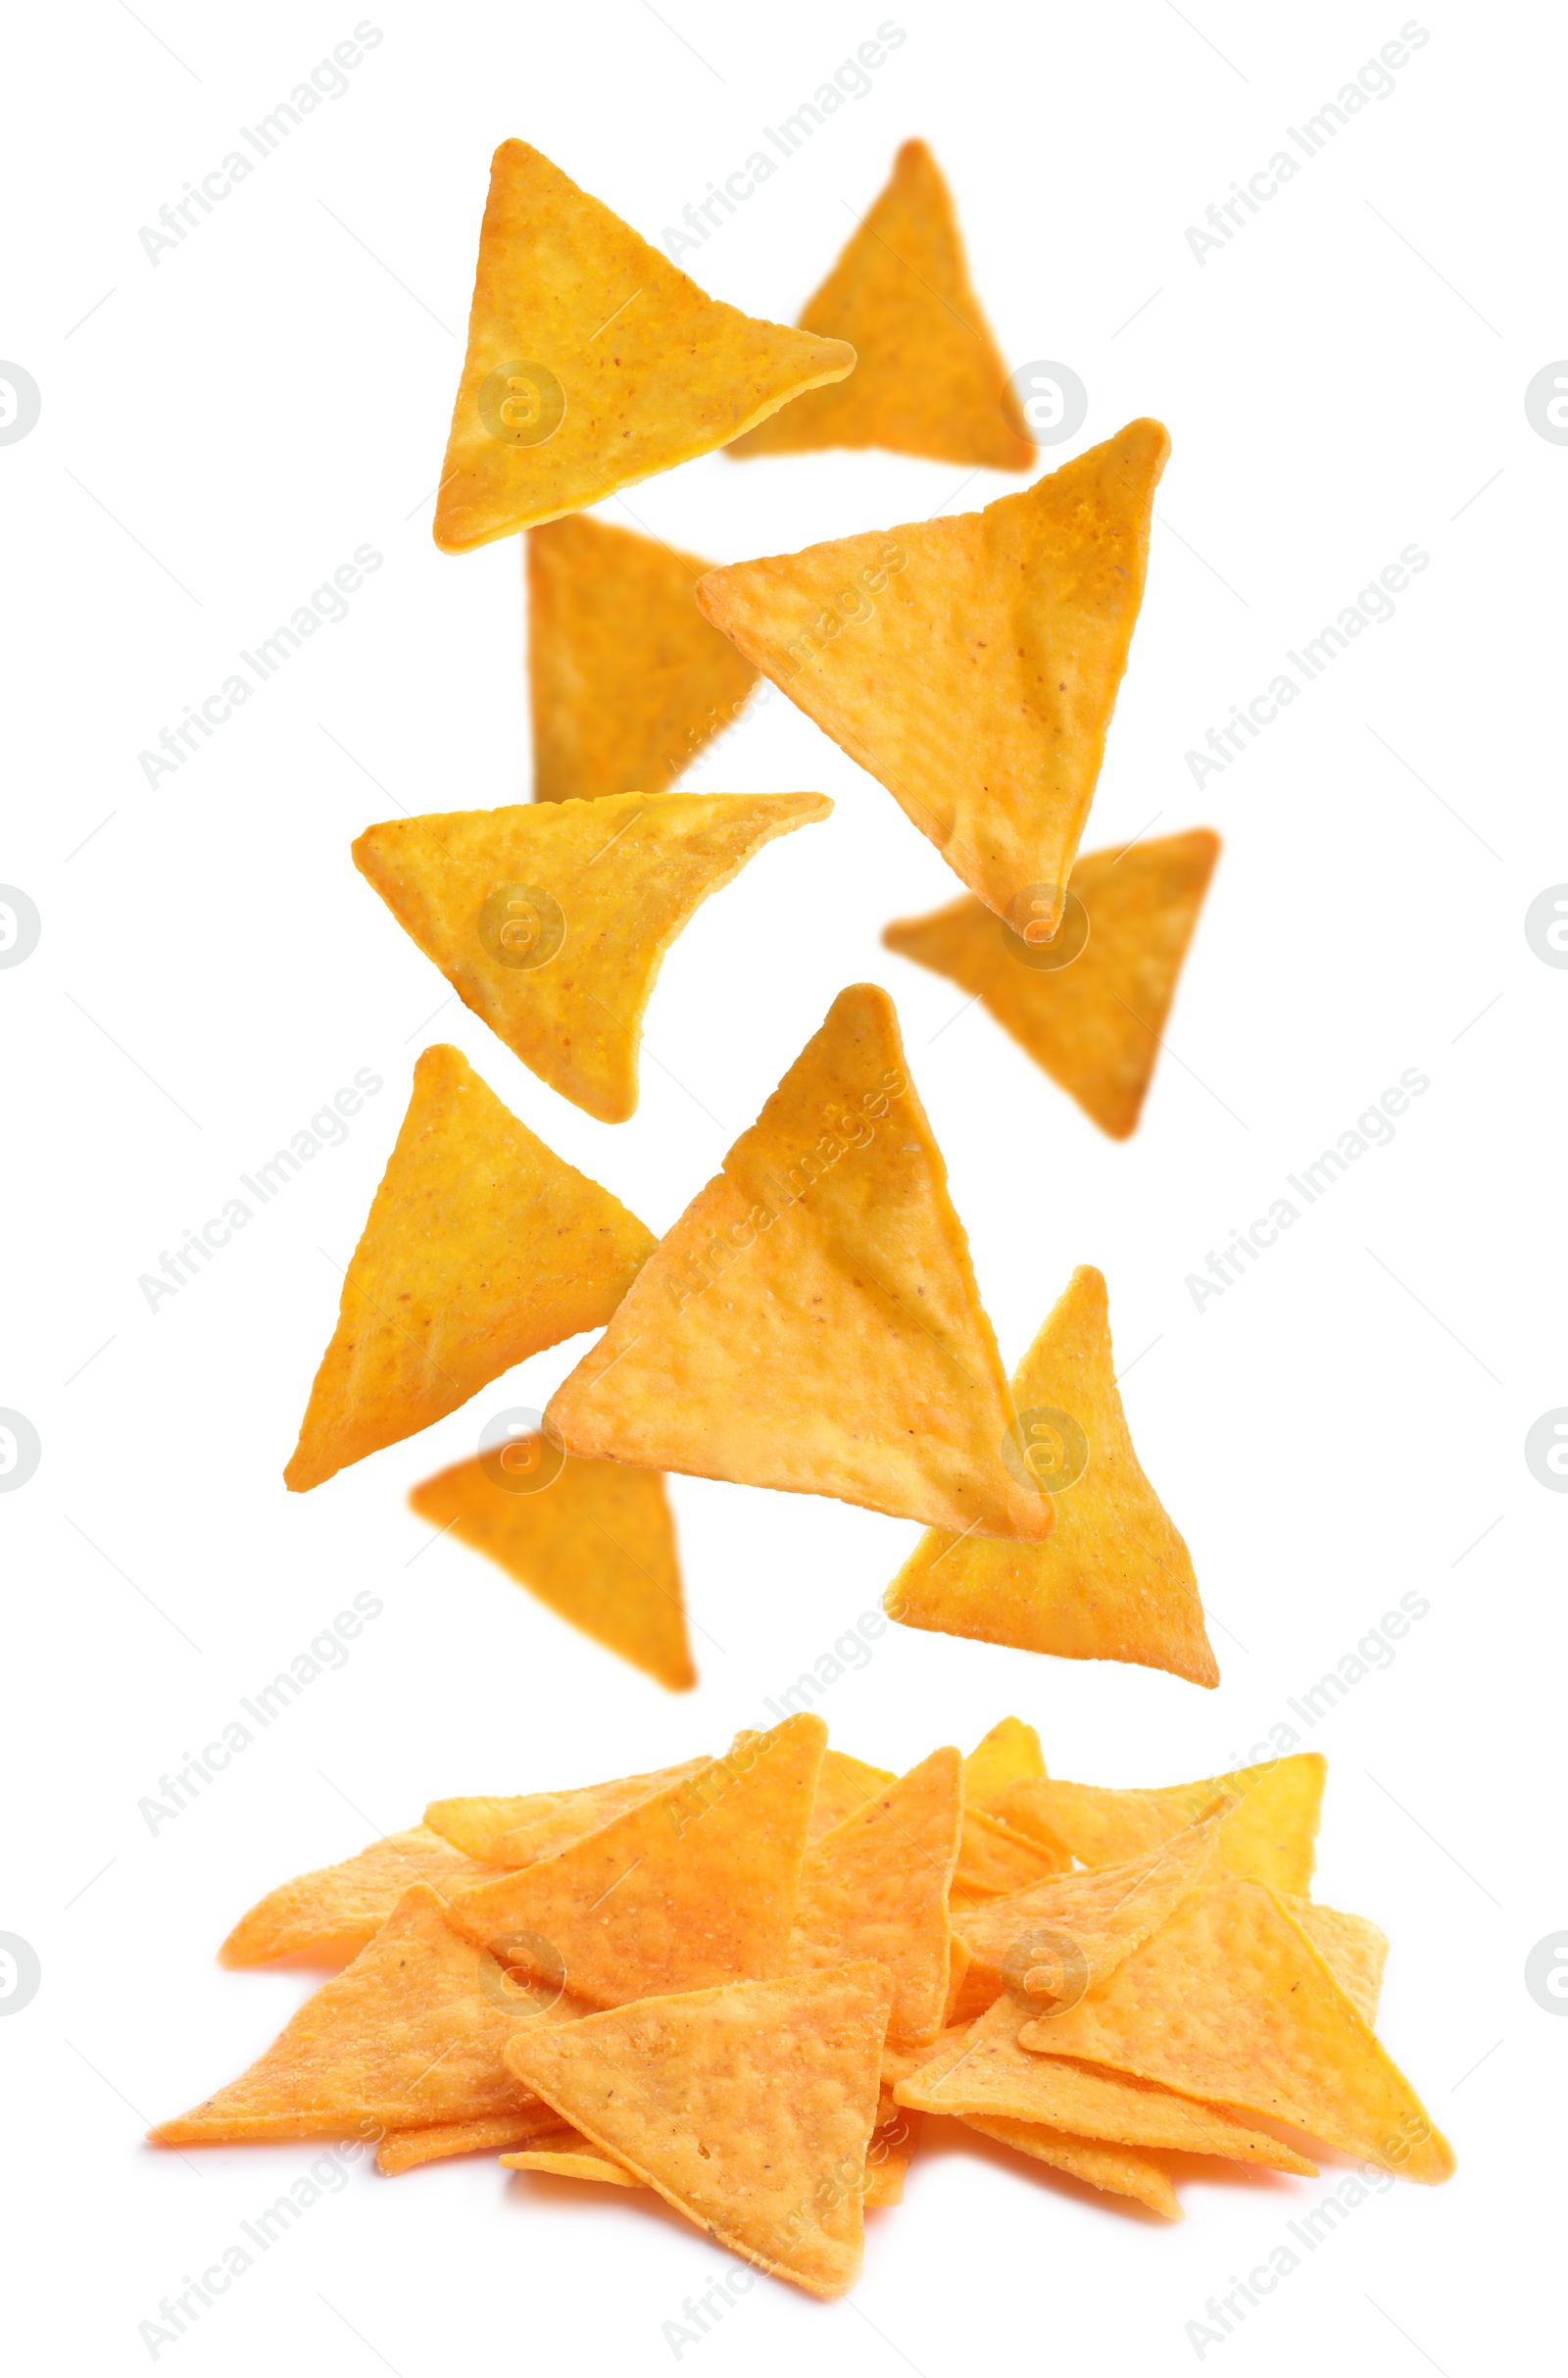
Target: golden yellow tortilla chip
[927,377]
[811,1323]
[566,2155]
[1114,1580]
[987,2072]
[332,1913]
[970,663]
[1272,1836]
[629,680]
[595,1544]
[750,2108]
[1072,1930]
[1353,1948]
[1231,2002]
[888,2158]
[481,1248]
[403,2150]
[517,1831]
[1121,2171]
[1095,1023]
[694,1887]
[592,362]
[877,1887]
[551,919]
[994,1858]
[1009,1753]
[844,1785]
[411,2034]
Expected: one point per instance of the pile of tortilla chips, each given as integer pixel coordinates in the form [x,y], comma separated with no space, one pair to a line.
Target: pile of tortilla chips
[742,1982]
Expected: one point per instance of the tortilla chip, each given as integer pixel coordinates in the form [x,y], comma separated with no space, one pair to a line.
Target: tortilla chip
[591,363]
[333,1911]
[844,1785]
[928,378]
[519,1831]
[750,2108]
[1353,1948]
[566,2155]
[1114,1581]
[602,888]
[993,1858]
[987,2072]
[629,680]
[811,1323]
[695,1886]
[1272,1836]
[411,2034]
[888,2157]
[596,1545]
[877,1887]
[970,663]
[1095,1024]
[403,2150]
[481,1248]
[1009,1753]
[1122,2171]
[1232,2002]
[1074,1929]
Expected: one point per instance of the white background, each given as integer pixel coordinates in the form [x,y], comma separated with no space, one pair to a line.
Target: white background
[1344,378]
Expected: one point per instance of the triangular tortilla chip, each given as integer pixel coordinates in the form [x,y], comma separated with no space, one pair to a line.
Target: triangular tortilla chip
[987,2072]
[404,2149]
[592,362]
[1354,1950]
[595,1544]
[1121,2171]
[1095,1024]
[927,377]
[1114,1581]
[844,1785]
[888,2158]
[1231,2002]
[970,663]
[1075,1929]
[481,1248]
[877,1886]
[411,2034]
[333,1911]
[993,1858]
[695,1887]
[566,2155]
[748,2109]
[1272,1836]
[518,1831]
[611,883]
[629,680]
[811,1321]
[1009,1753]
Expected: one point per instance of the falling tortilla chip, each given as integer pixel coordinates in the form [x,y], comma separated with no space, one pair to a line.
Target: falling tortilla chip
[518,1831]
[1232,2002]
[844,1785]
[750,2108]
[694,1887]
[1065,1935]
[566,2155]
[592,362]
[404,2149]
[597,1544]
[481,1248]
[987,2072]
[551,919]
[993,1858]
[1009,1753]
[888,2158]
[1272,1836]
[629,681]
[927,379]
[332,1913]
[970,663]
[811,1323]
[1096,1022]
[1354,1950]
[1114,1580]
[1121,2171]
[877,1887]
[410,2035]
